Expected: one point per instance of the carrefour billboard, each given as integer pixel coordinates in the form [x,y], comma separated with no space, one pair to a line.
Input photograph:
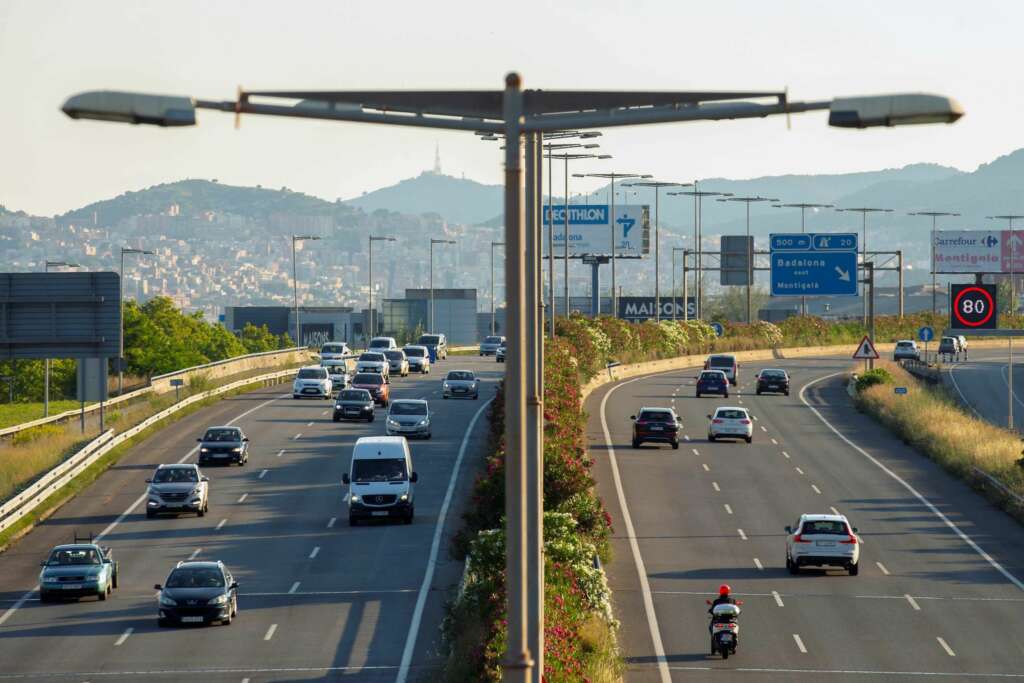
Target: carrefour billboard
[590,229]
[979,251]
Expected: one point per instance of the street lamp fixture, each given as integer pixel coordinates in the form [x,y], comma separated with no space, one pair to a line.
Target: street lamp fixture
[120,359]
[434,241]
[493,245]
[370,329]
[295,284]
[934,215]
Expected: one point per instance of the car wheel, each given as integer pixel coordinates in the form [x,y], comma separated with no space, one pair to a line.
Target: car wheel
[150,514]
[698,394]
[353,521]
[727,394]
[444,396]
[370,419]
[636,444]
[226,621]
[758,392]
[428,436]
[162,623]
[748,439]
[476,397]
[854,569]
[711,437]
[102,595]
[203,510]
[295,397]
[793,567]
[44,596]
[786,392]
[675,445]
[408,518]
[113,579]
[336,419]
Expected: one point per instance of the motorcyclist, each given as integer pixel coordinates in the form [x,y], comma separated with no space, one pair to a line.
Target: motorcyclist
[724,598]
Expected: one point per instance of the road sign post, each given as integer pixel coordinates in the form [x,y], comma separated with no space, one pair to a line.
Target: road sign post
[865,351]
[926,334]
[815,264]
[973,307]
[719,330]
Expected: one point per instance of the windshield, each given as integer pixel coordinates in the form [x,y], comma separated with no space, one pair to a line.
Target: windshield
[352,395]
[375,357]
[380,343]
[195,577]
[656,416]
[332,348]
[722,361]
[731,414]
[403,408]
[716,376]
[430,339]
[492,340]
[412,351]
[460,376]
[389,469]
[904,344]
[69,556]
[773,374]
[175,475]
[395,355]
[222,435]
[368,378]
[311,373]
[824,526]
[336,369]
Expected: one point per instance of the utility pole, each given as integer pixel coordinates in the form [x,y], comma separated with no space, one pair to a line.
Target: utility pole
[1013,309]
[432,243]
[493,245]
[686,303]
[864,211]
[803,206]
[869,280]
[370,331]
[295,284]
[934,215]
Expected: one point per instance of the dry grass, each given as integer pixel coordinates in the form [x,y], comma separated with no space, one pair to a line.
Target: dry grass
[939,427]
[603,663]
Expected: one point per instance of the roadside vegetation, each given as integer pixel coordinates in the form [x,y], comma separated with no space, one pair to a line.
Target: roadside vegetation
[931,421]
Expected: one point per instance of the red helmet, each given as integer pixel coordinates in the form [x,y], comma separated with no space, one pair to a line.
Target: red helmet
[724,589]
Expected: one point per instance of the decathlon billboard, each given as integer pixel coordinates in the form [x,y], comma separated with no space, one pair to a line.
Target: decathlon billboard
[590,231]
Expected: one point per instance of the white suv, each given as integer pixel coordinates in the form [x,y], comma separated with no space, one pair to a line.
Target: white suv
[820,541]
[374,361]
[730,423]
[312,381]
[906,349]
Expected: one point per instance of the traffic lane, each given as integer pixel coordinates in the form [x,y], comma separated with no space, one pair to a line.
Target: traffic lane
[982,386]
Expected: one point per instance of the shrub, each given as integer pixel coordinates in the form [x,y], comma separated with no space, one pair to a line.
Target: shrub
[873,377]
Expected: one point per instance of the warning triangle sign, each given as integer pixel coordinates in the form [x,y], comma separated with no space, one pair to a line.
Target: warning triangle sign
[865,350]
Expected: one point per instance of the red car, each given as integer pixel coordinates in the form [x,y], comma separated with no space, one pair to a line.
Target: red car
[378,387]
[656,424]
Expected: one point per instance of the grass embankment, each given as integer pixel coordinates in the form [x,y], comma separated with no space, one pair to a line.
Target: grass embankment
[17,413]
[936,425]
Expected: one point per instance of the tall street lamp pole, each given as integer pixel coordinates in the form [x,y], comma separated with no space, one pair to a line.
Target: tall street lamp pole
[934,215]
[686,304]
[747,201]
[1013,309]
[120,360]
[432,243]
[493,245]
[698,239]
[864,211]
[370,331]
[803,206]
[657,185]
[46,363]
[295,285]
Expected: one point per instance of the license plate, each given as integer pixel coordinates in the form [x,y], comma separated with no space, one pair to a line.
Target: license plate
[72,586]
[773,386]
[351,411]
[174,505]
[657,428]
[379,514]
[826,544]
[726,636]
[191,620]
[460,391]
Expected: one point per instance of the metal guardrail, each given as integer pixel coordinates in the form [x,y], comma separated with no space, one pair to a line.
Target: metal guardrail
[999,486]
[28,500]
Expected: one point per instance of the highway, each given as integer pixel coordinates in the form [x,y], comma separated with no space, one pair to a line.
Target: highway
[318,600]
[939,594]
[982,384]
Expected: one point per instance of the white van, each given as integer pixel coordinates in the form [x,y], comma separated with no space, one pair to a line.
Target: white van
[382,344]
[382,478]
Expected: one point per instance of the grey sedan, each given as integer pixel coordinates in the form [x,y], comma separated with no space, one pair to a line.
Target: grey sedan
[223,445]
[460,384]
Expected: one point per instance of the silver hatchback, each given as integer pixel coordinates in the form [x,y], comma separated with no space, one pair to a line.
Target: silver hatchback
[460,384]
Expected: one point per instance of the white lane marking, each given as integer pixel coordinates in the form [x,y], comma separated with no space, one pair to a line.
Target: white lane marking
[963,398]
[742,534]
[798,470]
[435,546]
[957,675]
[696,452]
[245,680]
[262,474]
[763,429]
[775,442]
[627,520]
[705,466]
[243,497]
[834,511]
[686,436]
[309,424]
[297,436]
[295,587]
[345,499]
[728,509]
[714,485]
[124,636]
[131,508]
[784,453]
[927,503]
[315,552]
[882,568]
[195,553]
[270,632]
[280,453]
[799,643]
[913,603]
[221,524]
[325,412]
[757,563]
[945,646]
[330,523]
[741,401]
[755,417]
[778,599]
[816,489]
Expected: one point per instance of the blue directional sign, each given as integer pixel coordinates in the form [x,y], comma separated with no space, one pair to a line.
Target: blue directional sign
[814,264]
[719,330]
[900,390]
[926,334]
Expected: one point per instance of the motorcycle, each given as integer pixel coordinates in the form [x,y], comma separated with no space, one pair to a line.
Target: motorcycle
[725,629]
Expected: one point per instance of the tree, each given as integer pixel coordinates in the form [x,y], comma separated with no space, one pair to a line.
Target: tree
[259,339]
[732,304]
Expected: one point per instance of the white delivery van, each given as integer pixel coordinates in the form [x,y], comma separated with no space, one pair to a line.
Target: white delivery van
[381,480]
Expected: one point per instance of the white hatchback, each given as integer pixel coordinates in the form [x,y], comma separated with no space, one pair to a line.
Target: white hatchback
[822,541]
[730,423]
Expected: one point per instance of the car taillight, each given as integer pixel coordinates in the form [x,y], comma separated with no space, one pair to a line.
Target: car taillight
[717,421]
[744,422]
[799,539]
[852,540]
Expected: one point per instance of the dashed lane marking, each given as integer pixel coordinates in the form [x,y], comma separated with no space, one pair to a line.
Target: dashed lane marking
[696,452]
[280,453]
[913,603]
[221,523]
[295,587]
[309,424]
[124,636]
[742,534]
[705,466]
[195,553]
[785,455]
[243,497]
[882,568]
[799,643]
[763,429]
[816,489]
[834,511]
[714,485]
[798,470]
[270,632]
[775,442]
[945,646]
[778,599]
[262,474]
[330,523]
[728,509]
[314,553]
[757,563]
[297,436]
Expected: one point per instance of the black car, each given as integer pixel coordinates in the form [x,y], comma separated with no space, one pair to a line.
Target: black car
[712,382]
[197,592]
[223,445]
[772,381]
[659,425]
[354,404]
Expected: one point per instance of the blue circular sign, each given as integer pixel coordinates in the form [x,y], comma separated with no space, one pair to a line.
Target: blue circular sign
[719,330]
[926,334]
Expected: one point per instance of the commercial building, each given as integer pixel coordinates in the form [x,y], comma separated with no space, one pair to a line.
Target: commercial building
[319,323]
[455,314]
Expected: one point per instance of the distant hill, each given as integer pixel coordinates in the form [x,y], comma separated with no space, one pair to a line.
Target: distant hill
[455,199]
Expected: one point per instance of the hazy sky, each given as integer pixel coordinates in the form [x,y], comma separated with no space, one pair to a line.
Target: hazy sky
[50,50]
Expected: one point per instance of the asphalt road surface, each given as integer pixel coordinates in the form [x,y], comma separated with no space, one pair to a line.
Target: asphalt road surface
[939,595]
[318,600]
[982,384]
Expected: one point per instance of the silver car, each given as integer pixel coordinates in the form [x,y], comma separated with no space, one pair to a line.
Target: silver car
[176,489]
[460,384]
[418,357]
[489,346]
[409,418]
[397,362]
[374,361]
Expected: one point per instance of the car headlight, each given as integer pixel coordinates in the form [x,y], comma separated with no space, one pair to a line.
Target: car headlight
[445,385]
[354,499]
[219,600]
[393,423]
[337,406]
[204,450]
[236,450]
[404,497]
[421,423]
[167,602]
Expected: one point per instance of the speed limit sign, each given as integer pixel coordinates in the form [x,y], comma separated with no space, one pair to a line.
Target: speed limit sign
[973,307]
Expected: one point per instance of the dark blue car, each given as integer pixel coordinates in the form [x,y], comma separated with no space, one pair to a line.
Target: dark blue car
[712,382]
